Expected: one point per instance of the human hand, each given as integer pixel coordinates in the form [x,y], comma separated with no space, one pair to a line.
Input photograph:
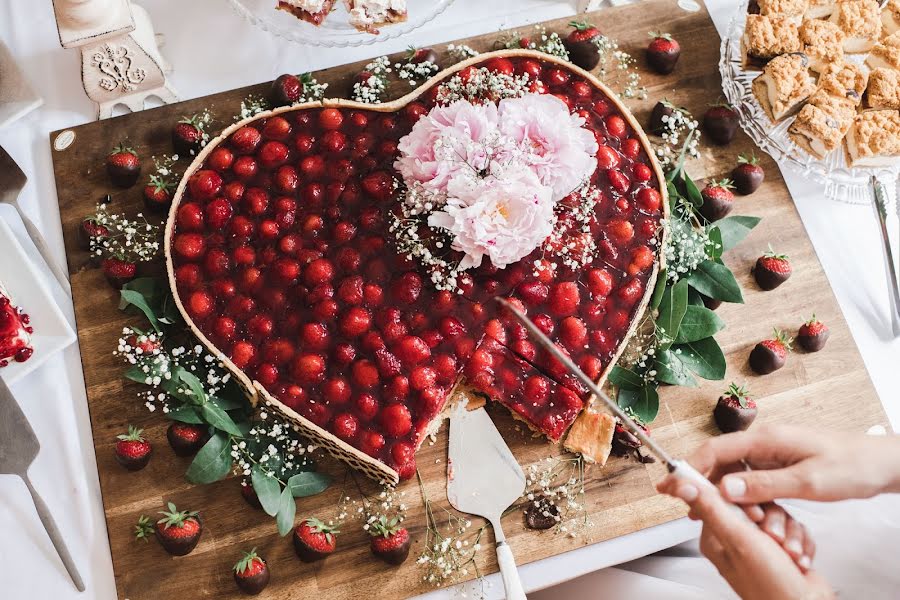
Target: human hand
[752,562]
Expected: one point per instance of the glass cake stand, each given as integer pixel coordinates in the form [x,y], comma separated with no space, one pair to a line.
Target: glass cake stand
[844,183]
[335,31]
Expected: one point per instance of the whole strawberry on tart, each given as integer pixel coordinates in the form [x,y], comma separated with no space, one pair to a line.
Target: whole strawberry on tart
[351,282]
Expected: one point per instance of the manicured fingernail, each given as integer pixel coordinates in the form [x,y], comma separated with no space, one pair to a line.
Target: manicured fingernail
[776,529]
[804,562]
[687,492]
[794,547]
[735,487]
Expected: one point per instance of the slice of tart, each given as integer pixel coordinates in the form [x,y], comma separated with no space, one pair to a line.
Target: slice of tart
[822,123]
[784,8]
[784,85]
[823,42]
[15,331]
[766,37]
[883,91]
[860,20]
[369,15]
[885,53]
[874,139]
[820,9]
[890,18]
[844,79]
[591,436]
[311,11]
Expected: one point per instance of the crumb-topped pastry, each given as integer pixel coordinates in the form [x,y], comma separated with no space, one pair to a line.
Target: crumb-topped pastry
[874,139]
[883,91]
[786,8]
[822,123]
[369,15]
[860,20]
[766,37]
[885,53]
[820,9]
[311,11]
[844,79]
[823,42]
[890,17]
[784,85]
[15,331]
[591,436]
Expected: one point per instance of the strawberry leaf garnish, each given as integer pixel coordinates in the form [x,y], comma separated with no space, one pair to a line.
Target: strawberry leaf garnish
[143,529]
[133,435]
[247,561]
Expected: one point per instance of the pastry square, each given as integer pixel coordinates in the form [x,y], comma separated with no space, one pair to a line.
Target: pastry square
[883,91]
[890,18]
[820,9]
[823,43]
[766,37]
[786,8]
[847,80]
[885,53]
[369,15]
[860,20]
[591,436]
[311,11]
[874,139]
[784,85]
[822,123]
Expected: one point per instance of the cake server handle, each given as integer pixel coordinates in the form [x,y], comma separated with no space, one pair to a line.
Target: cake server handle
[54,534]
[880,205]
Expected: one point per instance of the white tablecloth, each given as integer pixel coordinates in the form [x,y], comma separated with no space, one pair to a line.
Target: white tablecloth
[212,50]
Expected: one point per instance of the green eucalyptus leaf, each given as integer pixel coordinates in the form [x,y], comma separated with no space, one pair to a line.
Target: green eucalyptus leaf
[670,369]
[229,402]
[714,247]
[672,308]
[660,288]
[198,393]
[703,357]
[308,483]
[694,298]
[133,298]
[213,462]
[699,322]
[186,413]
[735,228]
[625,379]
[716,281]
[267,489]
[692,192]
[287,510]
[644,402]
[219,419]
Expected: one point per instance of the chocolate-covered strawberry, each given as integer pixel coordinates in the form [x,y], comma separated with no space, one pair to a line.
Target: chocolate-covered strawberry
[663,52]
[720,123]
[249,494]
[186,439]
[251,573]
[123,166]
[187,135]
[660,115]
[89,229]
[418,56]
[179,530]
[718,200]
[132,450]
[747,175]
[390,542]
[812,335]
[772,269]
[770,355]
[118,271]
[625,443]
[158,194]
[581,45]
[735,410]
[286,89]
[541,514]
[314,540]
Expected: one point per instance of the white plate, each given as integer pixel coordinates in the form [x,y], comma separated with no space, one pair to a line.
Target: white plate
[16,96]
[24,283]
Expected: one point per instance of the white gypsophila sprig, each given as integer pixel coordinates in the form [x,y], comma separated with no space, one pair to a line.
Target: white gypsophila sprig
[461,51]
[482,85]
[414,72]
[573,244]
[312,89]
[252,106]
[555,488]
[552,44]
[680,138]
[132,240]
[686,247]
[617,68]
[275,445]
[371,89]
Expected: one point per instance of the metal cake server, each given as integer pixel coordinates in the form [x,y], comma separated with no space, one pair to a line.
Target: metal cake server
[484,479]
[18,449]
[12,180]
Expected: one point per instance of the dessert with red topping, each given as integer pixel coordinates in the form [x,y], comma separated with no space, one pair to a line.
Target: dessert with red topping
[15,331]
[311,11]
[338,300]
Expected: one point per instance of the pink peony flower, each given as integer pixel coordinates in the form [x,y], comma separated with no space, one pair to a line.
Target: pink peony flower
[560,150]
[502,218]
[449,142]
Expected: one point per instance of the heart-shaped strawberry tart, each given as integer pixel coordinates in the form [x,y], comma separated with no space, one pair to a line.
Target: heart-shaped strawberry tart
[301,251]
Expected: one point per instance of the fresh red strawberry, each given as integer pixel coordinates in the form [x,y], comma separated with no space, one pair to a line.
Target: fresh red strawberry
[186,439]
[663,52]
[187,135]
[770,355]
[772,270]
[251,573]
[158,194]
[118,272]
[178,531]
[143,343]
[419,55]
[286,89]
[747,175]
[91,229]
[721,122]
[314,540]
[390,541]
[123,166]
[581,46]
[718,200]
[812,335]
[132,450]
[735,410]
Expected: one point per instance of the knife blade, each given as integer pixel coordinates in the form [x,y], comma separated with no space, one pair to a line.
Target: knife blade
[19,447]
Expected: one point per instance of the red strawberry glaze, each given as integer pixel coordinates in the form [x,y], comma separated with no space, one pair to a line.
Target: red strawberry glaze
[15,332]
[324,314]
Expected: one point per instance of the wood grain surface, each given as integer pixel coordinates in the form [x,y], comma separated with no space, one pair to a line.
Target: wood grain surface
[829,390]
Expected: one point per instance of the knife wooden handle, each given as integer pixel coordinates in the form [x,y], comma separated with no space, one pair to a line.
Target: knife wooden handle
[55,537]
[510,573]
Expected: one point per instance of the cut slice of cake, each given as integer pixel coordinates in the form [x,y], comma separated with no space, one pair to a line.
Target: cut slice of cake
[883,91]
[767,37]
[311,11]
[784,85]
[15,332]
[822,123]
[820,9]
[369,15]
[885,53]
[823,42]
[874,139]
[591,436]
[860,20]
[890,18]
[784,8]
[844,79]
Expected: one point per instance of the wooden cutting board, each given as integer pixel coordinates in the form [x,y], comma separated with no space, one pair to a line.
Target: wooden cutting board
[829,390]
